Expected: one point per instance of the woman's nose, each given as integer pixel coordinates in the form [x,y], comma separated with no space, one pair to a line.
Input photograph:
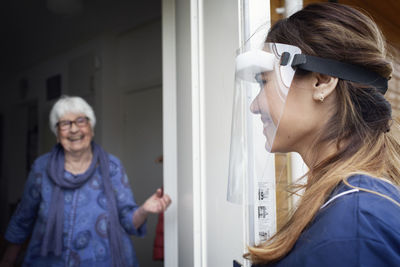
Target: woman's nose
[73,128]
[254,107]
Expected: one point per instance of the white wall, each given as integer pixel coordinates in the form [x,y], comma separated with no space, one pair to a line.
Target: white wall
[137,95]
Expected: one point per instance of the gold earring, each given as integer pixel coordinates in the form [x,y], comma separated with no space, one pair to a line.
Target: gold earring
[321,97]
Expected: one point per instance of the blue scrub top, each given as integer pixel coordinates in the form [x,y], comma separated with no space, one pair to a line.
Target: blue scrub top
[85,218]
[354,229]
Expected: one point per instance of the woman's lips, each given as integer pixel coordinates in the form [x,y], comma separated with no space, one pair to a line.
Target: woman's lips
[267,124]
[75,138]
[266,121]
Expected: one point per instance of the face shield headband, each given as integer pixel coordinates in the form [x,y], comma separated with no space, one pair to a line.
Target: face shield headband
[263,80]
[341,70]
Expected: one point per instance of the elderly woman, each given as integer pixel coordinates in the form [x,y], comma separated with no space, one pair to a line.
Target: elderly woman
[77,202]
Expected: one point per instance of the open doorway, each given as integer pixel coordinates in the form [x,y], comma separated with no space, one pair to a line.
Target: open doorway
[109,53]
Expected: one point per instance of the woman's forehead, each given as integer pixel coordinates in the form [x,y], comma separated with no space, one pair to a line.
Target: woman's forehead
[71,115]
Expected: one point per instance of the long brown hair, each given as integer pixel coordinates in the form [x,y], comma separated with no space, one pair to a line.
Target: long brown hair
[362,128]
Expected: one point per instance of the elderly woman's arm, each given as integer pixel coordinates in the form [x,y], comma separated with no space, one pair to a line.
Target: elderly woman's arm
[21,224]
[157,203]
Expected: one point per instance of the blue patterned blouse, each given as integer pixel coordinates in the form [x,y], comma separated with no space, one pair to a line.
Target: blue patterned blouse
[85,212]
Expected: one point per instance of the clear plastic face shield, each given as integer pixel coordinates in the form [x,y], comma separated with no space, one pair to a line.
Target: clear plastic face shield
[262,83]
[263,79]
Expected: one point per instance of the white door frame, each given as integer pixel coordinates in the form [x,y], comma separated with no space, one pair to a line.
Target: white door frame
[182,132]
[170,163]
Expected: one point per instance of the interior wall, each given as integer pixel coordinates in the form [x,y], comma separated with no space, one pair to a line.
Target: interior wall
[138,81]
[3,184]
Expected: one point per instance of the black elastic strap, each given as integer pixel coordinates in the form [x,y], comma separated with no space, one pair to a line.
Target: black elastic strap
[342,70]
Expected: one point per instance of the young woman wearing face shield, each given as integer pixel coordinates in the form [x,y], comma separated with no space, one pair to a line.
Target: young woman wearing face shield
[322,95]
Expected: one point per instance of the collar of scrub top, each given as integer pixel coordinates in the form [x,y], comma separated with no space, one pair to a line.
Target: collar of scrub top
[342,70]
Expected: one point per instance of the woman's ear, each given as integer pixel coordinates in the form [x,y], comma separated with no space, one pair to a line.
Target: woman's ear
[323,86]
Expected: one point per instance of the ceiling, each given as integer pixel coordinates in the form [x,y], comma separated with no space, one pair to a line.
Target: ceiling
[32,31]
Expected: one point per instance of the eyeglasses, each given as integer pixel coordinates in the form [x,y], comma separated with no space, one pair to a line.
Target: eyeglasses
[79,122]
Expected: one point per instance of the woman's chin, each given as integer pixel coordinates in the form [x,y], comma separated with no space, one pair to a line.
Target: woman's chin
[276,148]
[268,145]
[76,147]
[273,150]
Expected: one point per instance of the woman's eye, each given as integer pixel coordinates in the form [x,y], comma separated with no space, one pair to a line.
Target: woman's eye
[64,123]
[261,80]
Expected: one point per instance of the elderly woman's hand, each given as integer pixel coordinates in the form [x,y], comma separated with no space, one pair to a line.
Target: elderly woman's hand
[156,203]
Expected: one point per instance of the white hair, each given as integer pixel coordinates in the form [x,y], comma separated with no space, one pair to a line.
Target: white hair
[70,104]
